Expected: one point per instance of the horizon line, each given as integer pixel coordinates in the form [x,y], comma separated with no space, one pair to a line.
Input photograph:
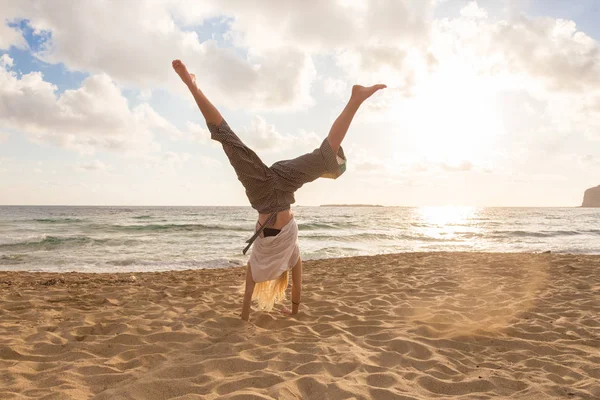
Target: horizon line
[300,205]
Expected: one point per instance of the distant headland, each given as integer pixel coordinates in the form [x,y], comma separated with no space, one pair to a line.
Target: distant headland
[591,197]
[350,205]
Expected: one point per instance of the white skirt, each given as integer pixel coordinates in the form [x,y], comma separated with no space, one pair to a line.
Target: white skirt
[273,255]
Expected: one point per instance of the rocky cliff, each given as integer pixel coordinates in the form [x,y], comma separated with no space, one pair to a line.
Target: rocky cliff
[591,197]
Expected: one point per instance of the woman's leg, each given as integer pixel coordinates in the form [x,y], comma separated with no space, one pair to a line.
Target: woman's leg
[210,112]
[249,168]
[247,294]
[328,160]
[342,123]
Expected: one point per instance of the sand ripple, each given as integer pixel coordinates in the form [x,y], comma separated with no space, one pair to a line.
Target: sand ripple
[408,326]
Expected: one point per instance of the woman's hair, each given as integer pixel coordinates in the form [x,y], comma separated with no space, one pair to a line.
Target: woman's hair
[269,292]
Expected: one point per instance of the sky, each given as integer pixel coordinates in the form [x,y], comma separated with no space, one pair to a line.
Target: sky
[489,103]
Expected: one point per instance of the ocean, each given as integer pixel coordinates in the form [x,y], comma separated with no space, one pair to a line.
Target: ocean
[128,239]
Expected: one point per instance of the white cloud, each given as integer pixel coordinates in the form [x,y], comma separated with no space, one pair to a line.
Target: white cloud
[551,62]
[370,165]
[589,161]
[94,116]
[387,40]
[364,161]
[175,160]
[373,39]
[6,61]
[306,139]
[10,36]
[541,61]
[325,26]
[171,160]
[197,133]
[145,95]
[405,166]
[4,136]
[550,49]
[335,86]
[208,161]
[94,165]
[472,10]
[159,124]
[541,52]
[462,166]
[538,78]
[279,37]
[261,135]
[489,85]
[143,39]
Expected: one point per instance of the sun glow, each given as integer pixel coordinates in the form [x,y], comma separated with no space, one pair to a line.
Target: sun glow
[452,117]
[445,222]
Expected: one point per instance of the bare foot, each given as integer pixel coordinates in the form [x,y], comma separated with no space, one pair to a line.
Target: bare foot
[362,93]
[186,77]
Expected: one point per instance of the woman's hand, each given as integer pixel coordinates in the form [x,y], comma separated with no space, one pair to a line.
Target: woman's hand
[287,311]
[245,315]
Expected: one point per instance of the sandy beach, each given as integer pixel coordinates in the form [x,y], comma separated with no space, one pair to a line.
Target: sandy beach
[403,326]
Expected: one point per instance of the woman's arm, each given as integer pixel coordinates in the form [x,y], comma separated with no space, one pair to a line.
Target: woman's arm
[248,294]
[296,286]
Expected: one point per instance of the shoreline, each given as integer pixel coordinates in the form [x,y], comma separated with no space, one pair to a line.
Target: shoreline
[418,325]
[232,265]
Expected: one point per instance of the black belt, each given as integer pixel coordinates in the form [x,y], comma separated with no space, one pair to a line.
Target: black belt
[272,217]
